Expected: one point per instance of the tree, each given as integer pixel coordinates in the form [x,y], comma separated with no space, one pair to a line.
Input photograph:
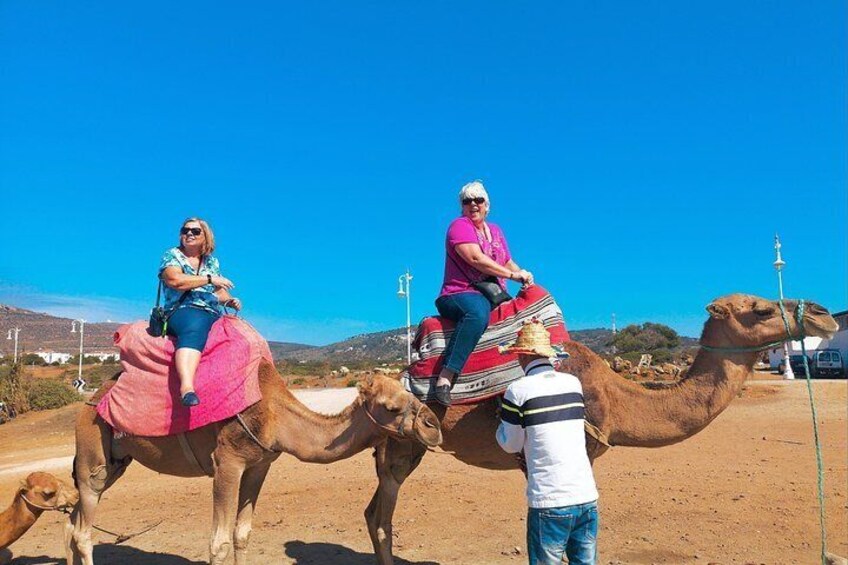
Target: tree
[647,338]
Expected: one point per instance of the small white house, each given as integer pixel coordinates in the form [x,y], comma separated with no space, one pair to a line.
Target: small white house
[838,341]
[54,357]
[103,355]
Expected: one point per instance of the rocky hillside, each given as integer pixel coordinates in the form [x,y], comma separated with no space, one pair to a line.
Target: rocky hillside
[42,332]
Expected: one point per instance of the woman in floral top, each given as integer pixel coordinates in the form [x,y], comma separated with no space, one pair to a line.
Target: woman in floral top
[195,295]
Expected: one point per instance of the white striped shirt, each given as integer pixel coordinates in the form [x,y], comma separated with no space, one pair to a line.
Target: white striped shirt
[543,414]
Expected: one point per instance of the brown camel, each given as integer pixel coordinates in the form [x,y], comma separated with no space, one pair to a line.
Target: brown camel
[38,492]
[739,327]
[238,463]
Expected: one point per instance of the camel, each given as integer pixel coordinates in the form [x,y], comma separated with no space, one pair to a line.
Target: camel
[238,452]
[738,329]
[38,493]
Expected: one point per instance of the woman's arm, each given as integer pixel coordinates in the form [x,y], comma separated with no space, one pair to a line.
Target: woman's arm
[176,279]
[527,275]
[474,256]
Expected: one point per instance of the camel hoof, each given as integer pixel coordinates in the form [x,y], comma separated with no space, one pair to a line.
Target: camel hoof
[832,559]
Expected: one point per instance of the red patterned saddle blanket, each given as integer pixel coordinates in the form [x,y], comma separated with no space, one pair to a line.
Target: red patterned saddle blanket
[487,373]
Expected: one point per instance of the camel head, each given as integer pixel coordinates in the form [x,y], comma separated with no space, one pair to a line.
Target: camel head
[43,491]
[396,410]
[744,320]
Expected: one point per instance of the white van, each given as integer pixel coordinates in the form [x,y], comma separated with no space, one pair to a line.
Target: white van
[827,363]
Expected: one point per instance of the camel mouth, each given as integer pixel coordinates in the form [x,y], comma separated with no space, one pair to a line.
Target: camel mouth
[825,328]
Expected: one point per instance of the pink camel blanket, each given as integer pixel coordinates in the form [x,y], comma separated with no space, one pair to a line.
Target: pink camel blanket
[145,401]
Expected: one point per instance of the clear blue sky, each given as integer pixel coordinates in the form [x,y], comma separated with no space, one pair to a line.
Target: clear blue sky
[640,156]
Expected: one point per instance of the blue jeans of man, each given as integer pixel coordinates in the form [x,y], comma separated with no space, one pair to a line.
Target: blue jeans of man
[470,311]
[570,531]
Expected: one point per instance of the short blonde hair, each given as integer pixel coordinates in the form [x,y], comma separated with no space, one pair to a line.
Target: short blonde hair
[209,236]
[474,189]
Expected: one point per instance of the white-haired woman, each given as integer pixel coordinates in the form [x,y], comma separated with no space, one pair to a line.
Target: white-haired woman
[195,294]
[476,250]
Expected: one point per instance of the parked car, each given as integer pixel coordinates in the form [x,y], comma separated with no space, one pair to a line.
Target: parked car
[827,363]
[797,364]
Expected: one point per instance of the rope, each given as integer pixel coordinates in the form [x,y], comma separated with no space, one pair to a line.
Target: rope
[119,538]
[799,317]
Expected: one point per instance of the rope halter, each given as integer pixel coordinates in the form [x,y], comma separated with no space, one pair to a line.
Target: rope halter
[398,432]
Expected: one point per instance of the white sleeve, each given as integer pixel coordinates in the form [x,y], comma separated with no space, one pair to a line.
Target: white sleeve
[510,434]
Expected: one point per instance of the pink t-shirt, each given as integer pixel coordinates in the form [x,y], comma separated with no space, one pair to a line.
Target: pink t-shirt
[458,274]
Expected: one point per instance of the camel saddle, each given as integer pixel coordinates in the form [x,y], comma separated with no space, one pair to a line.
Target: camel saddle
[487,372]
[145,400]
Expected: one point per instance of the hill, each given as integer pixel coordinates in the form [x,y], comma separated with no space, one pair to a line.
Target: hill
[43,332]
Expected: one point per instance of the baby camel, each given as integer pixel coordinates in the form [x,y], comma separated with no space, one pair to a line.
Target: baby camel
[37,493]
[238,463]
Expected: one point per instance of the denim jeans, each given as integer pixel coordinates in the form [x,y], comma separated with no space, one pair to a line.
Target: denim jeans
[470,311]
[191,326]
[566,531]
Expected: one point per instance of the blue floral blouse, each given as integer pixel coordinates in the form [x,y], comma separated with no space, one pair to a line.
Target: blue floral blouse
[201,297]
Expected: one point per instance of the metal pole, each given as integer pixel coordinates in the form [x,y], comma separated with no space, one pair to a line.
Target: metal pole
[82,335]
[408,319]
[17,331]
[779,263]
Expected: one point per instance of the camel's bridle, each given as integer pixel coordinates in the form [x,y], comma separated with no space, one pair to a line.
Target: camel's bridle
[397,432]
[799,319]
[63,509]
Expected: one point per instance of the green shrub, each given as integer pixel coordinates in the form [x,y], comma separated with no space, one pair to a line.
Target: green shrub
[352,382]
[45,394]
[14,388]
[298,381]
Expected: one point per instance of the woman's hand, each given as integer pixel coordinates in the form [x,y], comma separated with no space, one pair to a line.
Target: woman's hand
[233,303]
[221,282]
[524,277]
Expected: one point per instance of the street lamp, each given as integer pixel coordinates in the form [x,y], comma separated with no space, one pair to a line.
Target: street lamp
[16,331]
[779,263]
[79,383]
[404,292]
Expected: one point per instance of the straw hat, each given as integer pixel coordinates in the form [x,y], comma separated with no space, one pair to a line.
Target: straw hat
[533,339]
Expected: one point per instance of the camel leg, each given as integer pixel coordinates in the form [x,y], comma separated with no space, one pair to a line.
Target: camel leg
[395,460]
[225,495]
[94,472]
[251,484]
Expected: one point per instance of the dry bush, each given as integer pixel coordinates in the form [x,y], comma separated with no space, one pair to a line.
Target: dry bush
[14,388]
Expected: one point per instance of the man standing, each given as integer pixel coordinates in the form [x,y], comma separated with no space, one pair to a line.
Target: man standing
[542,415]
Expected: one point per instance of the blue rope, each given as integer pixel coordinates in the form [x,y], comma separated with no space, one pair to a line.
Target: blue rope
[799,317]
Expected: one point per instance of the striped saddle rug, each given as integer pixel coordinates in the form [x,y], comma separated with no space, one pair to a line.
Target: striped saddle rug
[487,373]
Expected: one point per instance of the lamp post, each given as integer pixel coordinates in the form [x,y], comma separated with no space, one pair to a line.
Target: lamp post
[79,383]
[404,292]
[15,331]
[779,263]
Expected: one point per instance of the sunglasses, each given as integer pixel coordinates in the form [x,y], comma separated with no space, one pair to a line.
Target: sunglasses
[479,200]
[192,231]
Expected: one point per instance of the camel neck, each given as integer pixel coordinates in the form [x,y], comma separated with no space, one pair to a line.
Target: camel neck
[319,438]
[654,418]
[16,520]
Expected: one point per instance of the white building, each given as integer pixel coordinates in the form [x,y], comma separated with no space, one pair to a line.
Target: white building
[54,357]
[838,341]
[103,355]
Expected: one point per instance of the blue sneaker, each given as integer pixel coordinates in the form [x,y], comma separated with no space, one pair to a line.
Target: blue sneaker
[190,399]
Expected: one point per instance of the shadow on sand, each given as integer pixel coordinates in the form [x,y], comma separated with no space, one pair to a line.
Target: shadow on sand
[333,554]
[108,553]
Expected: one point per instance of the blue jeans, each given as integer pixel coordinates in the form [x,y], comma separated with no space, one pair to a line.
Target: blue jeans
[191,326]
[566,531]
[470,311]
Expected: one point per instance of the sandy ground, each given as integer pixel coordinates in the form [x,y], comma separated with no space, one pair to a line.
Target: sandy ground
[742,491]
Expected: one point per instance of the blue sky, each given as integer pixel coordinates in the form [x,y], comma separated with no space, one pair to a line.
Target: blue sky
[640,156]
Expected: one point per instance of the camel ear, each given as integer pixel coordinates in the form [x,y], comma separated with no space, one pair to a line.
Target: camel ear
[366,385]
[718,311]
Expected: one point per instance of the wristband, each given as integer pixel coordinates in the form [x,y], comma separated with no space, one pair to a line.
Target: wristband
[209,279]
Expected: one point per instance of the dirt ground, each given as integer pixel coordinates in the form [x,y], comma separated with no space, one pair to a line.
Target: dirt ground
[742,491]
